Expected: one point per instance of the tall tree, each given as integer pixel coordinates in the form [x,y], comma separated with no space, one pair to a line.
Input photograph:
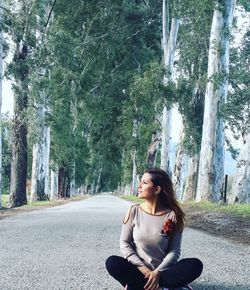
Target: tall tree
[169,46]
[237,114]
[1,79]
[41,144]
[211,169]
[22,15]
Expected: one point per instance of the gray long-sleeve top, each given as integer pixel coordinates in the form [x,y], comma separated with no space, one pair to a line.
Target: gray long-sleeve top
[143,244]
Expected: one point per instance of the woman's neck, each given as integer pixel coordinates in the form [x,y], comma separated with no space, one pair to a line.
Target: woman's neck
[153,206]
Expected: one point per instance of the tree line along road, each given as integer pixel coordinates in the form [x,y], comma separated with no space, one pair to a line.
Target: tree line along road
[65,247]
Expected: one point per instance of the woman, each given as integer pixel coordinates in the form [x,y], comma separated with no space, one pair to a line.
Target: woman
[151,240]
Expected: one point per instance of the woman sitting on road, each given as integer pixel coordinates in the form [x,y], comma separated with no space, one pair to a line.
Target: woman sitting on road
[151,240]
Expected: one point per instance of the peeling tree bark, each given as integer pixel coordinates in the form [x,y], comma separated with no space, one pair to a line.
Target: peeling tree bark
[211,168]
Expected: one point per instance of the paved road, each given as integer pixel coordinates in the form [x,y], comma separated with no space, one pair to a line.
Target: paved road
[65,248]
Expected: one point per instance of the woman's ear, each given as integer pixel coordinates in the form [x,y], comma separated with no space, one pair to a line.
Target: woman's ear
[158,189]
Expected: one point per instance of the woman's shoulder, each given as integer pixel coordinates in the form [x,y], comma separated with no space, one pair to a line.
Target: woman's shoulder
[130,212]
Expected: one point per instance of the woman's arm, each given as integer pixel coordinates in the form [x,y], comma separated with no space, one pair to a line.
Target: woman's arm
[174,251]
[126,240]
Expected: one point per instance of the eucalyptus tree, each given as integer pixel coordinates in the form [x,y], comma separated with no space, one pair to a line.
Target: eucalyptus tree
[237,114]
[191,67]
[1,79]
[39,104]
[211,167]
[170,26]
[139,118]
[22,34]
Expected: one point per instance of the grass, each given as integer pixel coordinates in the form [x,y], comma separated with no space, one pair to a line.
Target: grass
[238,209]
[5,199]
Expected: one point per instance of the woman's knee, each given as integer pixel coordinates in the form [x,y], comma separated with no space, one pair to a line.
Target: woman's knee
[113,263]
[198,266]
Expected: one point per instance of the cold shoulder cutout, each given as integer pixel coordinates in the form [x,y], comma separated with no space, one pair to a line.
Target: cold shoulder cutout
[127,216]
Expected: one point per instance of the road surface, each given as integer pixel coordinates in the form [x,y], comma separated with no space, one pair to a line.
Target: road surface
[65,247]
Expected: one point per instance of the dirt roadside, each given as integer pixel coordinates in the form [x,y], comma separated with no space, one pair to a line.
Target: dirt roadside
[229,226]
[8,212]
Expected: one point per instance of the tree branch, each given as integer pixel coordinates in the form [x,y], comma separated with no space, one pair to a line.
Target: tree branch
[50,13]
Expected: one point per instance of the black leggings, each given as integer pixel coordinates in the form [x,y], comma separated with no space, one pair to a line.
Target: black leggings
[178,275]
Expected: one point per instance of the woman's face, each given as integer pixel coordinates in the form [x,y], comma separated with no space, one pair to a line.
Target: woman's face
[146,188]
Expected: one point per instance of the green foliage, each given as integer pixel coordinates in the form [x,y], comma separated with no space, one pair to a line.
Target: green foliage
[237,109]
[146,95]
[193,44]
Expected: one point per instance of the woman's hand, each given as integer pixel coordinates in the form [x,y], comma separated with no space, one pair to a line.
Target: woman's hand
[153,280]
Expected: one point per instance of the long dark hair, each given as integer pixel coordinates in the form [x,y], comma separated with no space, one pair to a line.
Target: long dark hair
[167,195]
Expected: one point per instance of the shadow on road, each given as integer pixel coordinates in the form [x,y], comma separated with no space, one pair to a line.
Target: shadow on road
[202,286]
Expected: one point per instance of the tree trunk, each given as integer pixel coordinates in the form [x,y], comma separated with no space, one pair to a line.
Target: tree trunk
[54,184]
[191,179]
[40,161]
[1,74]
[63,182]
[211,167]
[19,142]
[241,183]
[134,174]
[46,160]
[73,181]
[98,186]
[178,172]
[134,157]
[166,140]
[169,46]
[153,148]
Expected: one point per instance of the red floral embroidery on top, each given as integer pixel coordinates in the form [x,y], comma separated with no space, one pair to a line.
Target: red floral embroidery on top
[168,226]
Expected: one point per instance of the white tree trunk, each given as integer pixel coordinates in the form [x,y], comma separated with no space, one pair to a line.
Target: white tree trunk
[134,174]
[40,159]
[178,172]
[211,167]
[166,139]
[99,180]
[169,47]
[73,181]
[134,159]
[46,159]
[1,73]
[153,149]
[191,179]
[54,183]
[241,183]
